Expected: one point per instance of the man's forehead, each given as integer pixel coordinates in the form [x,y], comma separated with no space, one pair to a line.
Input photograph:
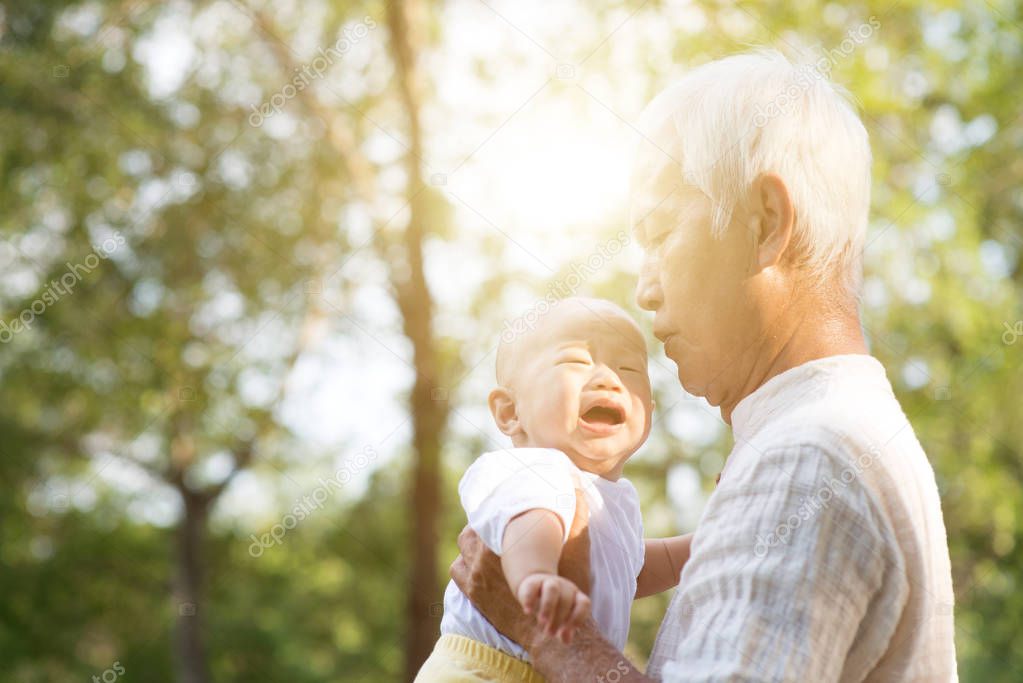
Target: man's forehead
[653,169]
[653,186]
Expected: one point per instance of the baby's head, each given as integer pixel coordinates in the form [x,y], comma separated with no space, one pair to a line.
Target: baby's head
[578,382]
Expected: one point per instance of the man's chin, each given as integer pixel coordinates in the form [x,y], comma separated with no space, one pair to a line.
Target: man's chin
[698,388]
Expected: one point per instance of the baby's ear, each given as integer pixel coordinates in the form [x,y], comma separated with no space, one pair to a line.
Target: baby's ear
[502,407]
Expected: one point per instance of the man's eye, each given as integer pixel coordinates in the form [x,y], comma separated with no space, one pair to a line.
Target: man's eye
[625,369]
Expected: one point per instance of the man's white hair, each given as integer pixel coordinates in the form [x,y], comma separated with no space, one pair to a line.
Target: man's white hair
[730,120]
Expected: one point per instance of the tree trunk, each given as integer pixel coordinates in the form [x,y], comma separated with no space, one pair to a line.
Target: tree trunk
[428,401]
[190,652]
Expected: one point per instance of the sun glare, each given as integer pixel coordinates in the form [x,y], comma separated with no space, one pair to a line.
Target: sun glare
[552,173]
[569,172]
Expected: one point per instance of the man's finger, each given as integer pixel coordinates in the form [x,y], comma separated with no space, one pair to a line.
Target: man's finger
[459,572]
[477,573]
[458,568]
[467,540]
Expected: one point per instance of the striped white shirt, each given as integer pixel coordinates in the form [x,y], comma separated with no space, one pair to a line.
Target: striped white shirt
[822,554]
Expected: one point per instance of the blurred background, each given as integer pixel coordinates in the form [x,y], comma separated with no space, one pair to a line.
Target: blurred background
[256,258]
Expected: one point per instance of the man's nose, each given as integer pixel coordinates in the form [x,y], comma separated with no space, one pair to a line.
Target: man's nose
[649,296]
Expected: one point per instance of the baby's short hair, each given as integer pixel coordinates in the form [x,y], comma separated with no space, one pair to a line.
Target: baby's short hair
[510,346]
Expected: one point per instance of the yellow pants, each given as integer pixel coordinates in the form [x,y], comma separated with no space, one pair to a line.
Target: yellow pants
[456,659]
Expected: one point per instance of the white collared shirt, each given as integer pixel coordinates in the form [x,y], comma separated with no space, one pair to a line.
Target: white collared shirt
[822,554]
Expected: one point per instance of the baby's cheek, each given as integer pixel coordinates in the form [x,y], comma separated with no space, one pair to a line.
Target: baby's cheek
[563,392]
[557,403]
[641,412]
[640,405]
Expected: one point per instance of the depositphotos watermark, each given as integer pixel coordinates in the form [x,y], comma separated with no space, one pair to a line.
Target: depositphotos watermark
[63,286]
[813,504]
[307,73]
[565,287]
[1012,332]
[614,674]
[314,500]
[818,71]
[111,674]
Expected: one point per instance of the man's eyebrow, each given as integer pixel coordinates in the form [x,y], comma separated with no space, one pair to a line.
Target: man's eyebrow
[653,211]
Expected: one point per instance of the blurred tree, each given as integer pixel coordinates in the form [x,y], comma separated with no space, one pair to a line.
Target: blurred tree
[226,228]
[401,251]
[406,20]
[145,213]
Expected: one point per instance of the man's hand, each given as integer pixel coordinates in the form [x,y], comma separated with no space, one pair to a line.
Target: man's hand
[477,573]
[560,607]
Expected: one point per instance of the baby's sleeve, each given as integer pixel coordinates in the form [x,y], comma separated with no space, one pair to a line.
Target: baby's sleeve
[503,484]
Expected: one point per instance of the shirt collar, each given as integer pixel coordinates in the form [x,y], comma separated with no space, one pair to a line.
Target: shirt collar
[794,387]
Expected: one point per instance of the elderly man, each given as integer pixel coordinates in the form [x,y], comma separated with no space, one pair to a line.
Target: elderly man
[821,555]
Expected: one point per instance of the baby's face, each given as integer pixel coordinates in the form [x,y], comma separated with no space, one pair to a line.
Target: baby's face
[580,385]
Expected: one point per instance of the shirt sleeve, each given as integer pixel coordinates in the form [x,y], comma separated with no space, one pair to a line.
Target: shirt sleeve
[788,558]
[503,484]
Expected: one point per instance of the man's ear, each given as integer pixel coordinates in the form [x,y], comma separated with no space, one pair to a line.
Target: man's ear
[502,407]
[772,218]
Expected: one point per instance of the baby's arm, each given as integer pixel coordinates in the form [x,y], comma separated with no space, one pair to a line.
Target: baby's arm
[530,551]
[662,564]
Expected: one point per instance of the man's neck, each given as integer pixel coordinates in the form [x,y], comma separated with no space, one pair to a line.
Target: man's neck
[809,332]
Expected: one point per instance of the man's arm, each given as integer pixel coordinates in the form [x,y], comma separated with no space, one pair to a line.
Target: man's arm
[588,658]
[477,572]
[662,564]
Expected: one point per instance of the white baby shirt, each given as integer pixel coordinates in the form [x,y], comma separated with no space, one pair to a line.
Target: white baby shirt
[502,484]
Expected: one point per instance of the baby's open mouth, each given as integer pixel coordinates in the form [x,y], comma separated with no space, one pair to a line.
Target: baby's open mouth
[605,415]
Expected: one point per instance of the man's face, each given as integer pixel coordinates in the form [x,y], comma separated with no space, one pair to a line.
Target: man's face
[584,389]
[697,286]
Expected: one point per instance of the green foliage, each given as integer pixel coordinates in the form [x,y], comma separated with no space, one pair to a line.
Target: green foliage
[149,363]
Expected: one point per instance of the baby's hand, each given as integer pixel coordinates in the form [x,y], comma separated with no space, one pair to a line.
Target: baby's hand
[558,604]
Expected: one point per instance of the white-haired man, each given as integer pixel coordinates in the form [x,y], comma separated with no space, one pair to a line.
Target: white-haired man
[822,554]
